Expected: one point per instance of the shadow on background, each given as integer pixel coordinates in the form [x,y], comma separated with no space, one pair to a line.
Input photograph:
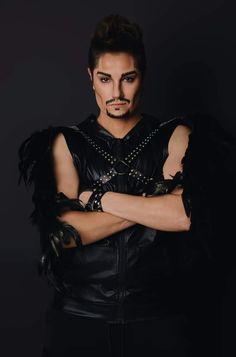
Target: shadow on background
[43,81]
[192,90]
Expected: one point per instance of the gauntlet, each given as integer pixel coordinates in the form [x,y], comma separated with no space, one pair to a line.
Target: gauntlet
[162,187]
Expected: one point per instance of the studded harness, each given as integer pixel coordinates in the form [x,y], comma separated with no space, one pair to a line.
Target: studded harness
[122,167]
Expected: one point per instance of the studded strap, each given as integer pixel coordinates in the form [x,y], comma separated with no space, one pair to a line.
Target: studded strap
[121,167]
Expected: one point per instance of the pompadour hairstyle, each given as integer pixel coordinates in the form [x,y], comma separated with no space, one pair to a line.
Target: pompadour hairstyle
[114,33]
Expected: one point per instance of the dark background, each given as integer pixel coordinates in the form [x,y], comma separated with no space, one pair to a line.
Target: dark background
[43,81]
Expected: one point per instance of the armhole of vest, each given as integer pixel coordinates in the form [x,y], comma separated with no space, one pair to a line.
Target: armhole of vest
[171,126]
[69,133]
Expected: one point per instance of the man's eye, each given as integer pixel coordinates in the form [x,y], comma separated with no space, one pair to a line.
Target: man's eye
[104,79]
[129,79]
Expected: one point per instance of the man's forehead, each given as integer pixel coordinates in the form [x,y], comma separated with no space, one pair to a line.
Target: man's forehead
[120,62]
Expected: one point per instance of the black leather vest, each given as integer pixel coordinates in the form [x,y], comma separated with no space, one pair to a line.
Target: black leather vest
[133,274]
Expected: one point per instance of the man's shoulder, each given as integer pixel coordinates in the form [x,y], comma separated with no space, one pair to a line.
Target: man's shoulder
[35,150]
[169,123]
[66,127]
[84,123]
[51,131]
[173,122]
[44,136]
[151,120]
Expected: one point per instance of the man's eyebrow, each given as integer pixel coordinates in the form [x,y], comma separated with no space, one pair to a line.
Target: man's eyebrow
[128,73]
[103,73]
[123,74]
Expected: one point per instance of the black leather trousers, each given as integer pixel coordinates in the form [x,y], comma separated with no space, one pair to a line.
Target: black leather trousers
[67,335]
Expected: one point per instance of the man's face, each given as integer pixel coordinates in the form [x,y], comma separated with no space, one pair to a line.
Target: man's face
[117,83]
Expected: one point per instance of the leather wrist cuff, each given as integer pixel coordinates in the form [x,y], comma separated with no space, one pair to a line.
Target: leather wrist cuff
[94,202]
[164,186]
[62,235]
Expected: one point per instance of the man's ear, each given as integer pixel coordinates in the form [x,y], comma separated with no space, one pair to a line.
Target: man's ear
[90,74]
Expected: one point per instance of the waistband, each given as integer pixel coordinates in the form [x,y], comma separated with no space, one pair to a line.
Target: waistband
[114,313]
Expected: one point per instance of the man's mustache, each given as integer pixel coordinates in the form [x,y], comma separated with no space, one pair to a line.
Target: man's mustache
[119,99]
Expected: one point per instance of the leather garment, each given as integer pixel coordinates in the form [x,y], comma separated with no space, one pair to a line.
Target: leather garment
[132,274]
[140,272]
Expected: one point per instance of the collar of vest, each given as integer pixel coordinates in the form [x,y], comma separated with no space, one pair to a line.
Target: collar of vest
[98,130]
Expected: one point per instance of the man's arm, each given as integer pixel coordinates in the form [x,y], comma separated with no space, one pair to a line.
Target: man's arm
[164,212]
[91,226]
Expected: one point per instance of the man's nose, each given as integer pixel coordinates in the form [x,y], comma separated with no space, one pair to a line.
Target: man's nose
[117,90]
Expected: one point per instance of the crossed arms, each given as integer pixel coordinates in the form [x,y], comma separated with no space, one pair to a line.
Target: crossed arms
[165,212]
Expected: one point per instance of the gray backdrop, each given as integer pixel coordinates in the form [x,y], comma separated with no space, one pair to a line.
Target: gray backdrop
[43,81]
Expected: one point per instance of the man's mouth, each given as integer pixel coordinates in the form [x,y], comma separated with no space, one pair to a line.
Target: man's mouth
[115,104]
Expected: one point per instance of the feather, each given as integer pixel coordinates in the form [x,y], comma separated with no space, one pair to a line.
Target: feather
[209,184]
[36,168]
[32,153]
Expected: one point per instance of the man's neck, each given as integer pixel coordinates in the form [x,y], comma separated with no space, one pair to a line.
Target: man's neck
[118,127]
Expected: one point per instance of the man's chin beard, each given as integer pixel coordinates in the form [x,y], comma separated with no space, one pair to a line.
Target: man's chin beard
[125,115]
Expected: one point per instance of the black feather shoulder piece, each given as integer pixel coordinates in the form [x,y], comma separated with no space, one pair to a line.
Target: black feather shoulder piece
[35,167]
[209,181]
[33,151]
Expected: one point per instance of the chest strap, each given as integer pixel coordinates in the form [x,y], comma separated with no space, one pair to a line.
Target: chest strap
[120,167]
[123,167]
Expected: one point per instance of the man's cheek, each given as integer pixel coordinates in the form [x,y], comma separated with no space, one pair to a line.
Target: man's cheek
[101,97]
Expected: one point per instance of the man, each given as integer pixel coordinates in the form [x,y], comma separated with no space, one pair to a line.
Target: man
[119,206]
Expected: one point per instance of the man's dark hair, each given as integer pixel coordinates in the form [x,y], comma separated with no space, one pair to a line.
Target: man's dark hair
[114,33]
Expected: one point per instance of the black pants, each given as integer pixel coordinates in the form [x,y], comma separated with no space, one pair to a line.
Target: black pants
[67,335]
